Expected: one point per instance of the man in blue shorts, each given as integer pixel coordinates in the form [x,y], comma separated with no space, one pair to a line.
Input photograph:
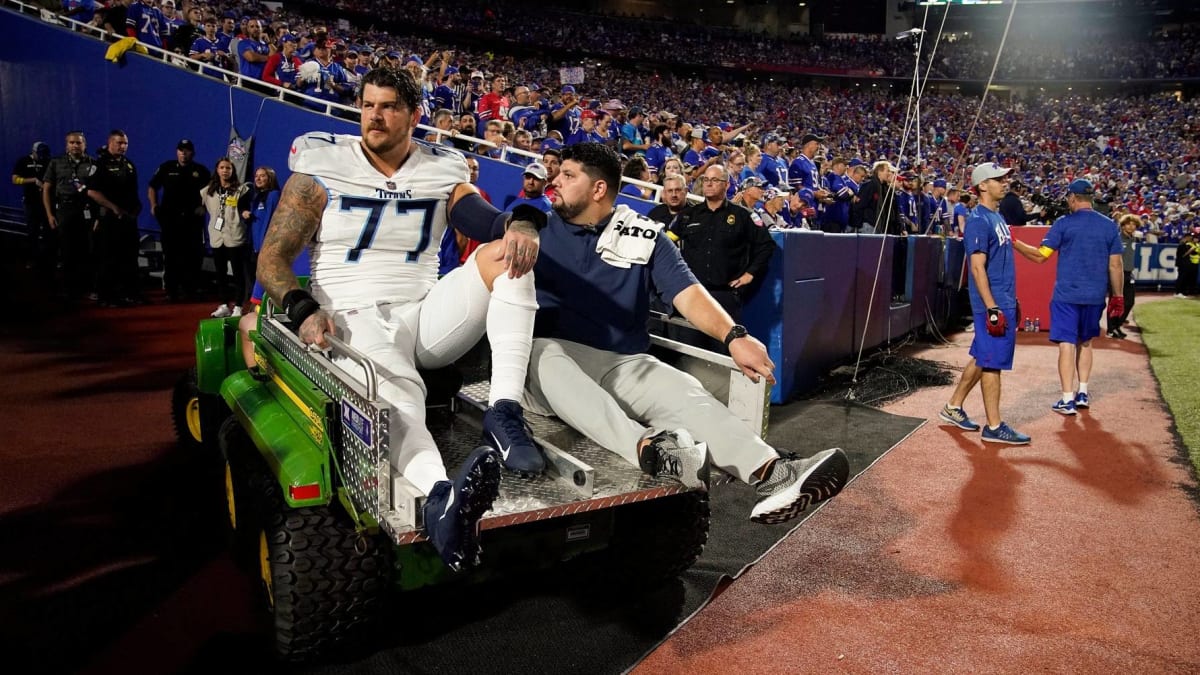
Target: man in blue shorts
[992,286]
[1089,263]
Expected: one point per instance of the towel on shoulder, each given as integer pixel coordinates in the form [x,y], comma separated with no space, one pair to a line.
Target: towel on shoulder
[629,238]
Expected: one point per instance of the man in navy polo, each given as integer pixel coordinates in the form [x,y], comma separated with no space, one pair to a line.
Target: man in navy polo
[1089,264]
[595,273]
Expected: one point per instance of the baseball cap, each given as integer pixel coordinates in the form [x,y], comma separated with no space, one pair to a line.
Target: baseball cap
[772,138]
[352,52]
[666,115]
[752,182]
[856,162]
[537,170]
[940,182]
[393,54]
[288,38]
[414,58]
[634,111]
[1081,186]
[534,86]
[986,172]
[776,191]
[587,114]
[451,70]
[698,132]
[41,148]
[614,104]
[475,74]
[809,138]
[568,89]
[185,144]
[168,2]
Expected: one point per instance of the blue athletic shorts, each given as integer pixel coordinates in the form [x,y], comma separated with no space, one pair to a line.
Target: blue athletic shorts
[992,352]
[1074,323]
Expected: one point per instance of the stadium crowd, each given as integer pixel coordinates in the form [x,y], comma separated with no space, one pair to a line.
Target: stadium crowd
[1140,151]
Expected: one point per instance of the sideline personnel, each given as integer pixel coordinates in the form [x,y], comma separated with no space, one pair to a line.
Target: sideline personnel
[114,186]
[595,275]
[1089,263]
[992,286]
[71,213]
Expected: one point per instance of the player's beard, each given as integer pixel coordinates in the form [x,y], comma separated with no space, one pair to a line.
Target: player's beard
[388,144]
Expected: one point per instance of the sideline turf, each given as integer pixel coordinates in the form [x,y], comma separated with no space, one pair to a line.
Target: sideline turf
[1170,329]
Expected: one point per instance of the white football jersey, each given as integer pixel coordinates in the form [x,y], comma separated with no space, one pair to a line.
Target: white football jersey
[379,235]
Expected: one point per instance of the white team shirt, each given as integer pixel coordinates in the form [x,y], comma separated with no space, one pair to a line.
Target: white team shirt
[379,235]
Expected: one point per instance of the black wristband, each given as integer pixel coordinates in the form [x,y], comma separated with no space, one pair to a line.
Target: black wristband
[529,214]
[299,305]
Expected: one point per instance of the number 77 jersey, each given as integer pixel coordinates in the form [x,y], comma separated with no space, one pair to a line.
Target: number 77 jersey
[379,235]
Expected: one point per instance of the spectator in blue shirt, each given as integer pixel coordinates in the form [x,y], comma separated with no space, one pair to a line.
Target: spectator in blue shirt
[142,21]
[533,189]
[632,142]
[253,51]
[83,11]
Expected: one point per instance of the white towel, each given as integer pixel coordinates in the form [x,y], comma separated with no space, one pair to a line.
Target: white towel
[629,238]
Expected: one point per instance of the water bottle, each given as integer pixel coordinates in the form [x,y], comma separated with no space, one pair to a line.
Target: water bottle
[1028,325]
[1037,324]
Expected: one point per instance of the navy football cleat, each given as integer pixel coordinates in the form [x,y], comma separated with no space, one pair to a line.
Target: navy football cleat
[504,428]
[453,509]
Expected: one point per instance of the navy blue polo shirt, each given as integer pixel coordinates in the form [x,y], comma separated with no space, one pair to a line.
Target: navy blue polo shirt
[584,299]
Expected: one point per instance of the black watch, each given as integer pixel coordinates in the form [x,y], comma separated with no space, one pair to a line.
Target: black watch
[738,331]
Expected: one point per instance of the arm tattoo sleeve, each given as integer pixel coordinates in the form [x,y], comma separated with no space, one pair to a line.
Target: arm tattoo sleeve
[293,225]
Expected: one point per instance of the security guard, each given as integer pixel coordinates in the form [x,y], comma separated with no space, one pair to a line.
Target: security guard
[723,244]
[28,173]
[180,217]
[114,186]
[70,213]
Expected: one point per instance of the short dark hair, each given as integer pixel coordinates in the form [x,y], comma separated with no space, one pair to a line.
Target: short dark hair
[118,132]
[552,151]
[385,77]
[599,162]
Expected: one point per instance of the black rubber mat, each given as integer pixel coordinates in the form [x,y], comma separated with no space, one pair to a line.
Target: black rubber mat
[561,621]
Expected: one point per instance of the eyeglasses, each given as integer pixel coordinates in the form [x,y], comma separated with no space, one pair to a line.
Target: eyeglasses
[714,181]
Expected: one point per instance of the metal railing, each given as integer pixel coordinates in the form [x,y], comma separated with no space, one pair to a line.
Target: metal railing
[326,107]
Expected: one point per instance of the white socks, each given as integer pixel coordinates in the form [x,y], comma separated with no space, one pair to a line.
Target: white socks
[510,317]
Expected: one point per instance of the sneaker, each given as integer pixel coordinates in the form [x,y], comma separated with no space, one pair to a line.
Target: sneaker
[453,510]
[1120,334]
[677,455]
[1082,400]
[504,428]
[1063,407]
[957,417]
[1005,434]
[795,484]
[237,311]
[1116,334]
[221,311]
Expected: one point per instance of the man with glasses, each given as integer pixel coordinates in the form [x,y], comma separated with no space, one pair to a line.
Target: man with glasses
[722,244]
[992,286]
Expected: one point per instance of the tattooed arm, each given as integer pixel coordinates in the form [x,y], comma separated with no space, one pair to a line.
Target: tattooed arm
[295,222]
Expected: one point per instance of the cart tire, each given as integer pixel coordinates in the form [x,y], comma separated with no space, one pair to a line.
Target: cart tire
[185,411]
[325,583]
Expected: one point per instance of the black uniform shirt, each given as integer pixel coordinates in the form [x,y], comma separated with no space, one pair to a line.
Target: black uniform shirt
[116,179]
[69,178]
[719,246]
[30,167]
[180,185]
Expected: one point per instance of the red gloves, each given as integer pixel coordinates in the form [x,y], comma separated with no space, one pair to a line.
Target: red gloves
[996,323]
[1116,307]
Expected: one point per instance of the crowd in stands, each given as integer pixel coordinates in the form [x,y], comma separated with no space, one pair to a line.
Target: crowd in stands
[1142,152]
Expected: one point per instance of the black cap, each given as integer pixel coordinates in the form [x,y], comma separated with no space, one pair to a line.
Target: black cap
[185,144]
[808,138]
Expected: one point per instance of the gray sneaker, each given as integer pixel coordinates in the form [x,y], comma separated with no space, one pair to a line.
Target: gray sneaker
[677,455]
[795,484]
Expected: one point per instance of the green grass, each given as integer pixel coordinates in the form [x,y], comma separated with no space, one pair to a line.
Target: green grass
[1171,331]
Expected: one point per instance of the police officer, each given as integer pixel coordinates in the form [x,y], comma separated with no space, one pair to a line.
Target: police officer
[70,213]
[722,243]
[180,216]
[114,186]
[28,173]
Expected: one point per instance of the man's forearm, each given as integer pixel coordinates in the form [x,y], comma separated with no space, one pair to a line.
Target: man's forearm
[1116,275]
[698,307]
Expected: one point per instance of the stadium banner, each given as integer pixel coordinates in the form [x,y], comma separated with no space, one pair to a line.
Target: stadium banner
[1155,264]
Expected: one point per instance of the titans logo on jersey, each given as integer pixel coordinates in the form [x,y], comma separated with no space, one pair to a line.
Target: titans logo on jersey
[378,237]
